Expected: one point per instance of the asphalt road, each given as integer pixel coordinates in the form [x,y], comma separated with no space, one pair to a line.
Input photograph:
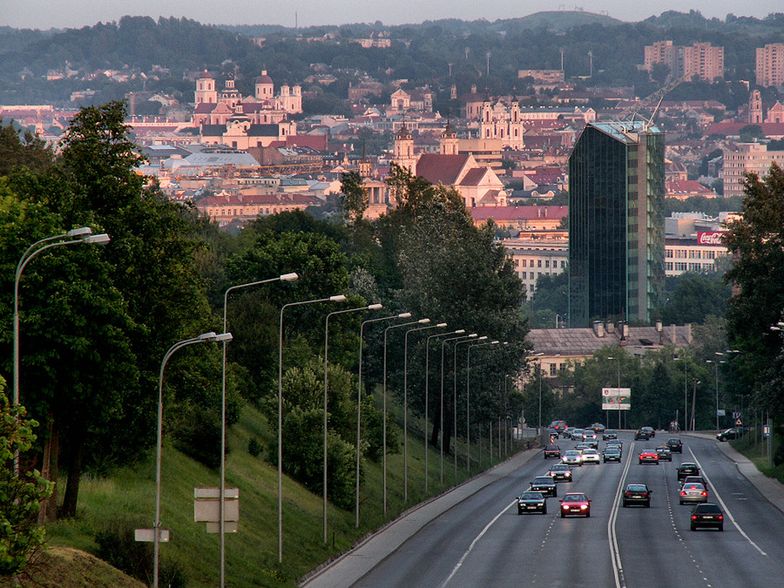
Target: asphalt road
[482,541]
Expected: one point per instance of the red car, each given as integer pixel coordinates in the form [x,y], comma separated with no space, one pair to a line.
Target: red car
[552,451]
[649,456]
[575,503]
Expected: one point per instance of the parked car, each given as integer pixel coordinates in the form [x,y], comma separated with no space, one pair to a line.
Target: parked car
[637,494]
[687,468]
[575,503]
[664,453]
[733,433]
[692,492]
[530,501]
[707,515]
[552,451]
[675,445]
[649,456]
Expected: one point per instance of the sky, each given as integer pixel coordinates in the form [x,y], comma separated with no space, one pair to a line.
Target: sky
[45,14]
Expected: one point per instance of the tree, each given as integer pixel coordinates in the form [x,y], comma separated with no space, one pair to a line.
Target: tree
[691,297]
[354,198]
[751,133]
[22,150]
[20,495]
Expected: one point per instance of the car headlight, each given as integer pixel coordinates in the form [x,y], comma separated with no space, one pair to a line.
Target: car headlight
[583,506]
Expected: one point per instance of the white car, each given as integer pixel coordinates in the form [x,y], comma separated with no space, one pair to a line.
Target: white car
[572,457]
[591,456]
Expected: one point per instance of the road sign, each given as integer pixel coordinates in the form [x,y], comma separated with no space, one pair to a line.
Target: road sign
[738,422]
[148,535]
[721,412]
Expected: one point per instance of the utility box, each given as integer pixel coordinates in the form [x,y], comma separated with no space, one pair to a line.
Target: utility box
[206,508]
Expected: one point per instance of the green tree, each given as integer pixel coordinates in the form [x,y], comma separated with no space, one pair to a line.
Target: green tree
[22,150]
[354,198]
[20,495]
[691,297]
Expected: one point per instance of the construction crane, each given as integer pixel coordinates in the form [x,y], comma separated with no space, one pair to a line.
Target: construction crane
[632,112]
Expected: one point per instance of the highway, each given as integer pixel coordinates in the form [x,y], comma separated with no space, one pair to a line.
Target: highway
[482,541]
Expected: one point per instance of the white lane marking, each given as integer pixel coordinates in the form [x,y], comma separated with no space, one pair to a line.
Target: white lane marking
[724,506]
[474,542]
[615,552]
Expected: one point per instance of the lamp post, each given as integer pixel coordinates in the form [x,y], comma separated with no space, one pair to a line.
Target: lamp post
[618,363]
[539,369]
[427,390]
[443,344]
[454,394]
[203,338]
[401,315]
[72,237]
[405,405]
[423,321]
[336,298]
[716,363]
[685,393]
[326,400]
[290,277]
[468,400]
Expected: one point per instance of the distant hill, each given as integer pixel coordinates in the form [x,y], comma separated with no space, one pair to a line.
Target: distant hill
[561,20]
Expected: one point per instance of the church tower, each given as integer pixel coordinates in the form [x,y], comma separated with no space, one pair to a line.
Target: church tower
[755,108]
[449,141]
[265,88]
[403,150]
[205,89]
[230,95]
[516,129]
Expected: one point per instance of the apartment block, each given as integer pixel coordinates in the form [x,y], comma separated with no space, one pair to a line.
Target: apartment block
[700,59]
[770,65]
[746,158]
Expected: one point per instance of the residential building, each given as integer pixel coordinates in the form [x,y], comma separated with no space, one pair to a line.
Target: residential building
[616,223]
[522,218]
[693,242]
[536,257]
[702,60]
[744,158]
[225,208]
[770,65]
[663,52]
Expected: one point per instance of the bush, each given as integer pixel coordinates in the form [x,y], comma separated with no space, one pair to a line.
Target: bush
[197,434]
[254,447]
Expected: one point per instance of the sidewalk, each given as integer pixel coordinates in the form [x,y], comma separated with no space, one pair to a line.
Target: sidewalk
[770,488]
[353,565]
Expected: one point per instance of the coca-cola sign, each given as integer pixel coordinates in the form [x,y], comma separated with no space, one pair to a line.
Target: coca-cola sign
[709,237]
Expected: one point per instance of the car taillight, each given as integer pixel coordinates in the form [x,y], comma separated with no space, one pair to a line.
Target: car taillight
[683,493]
[703,493]
[694,517]
[720,517]
[628,493]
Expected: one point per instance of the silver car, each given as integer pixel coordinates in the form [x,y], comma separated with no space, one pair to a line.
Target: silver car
[693,492]
[572,457]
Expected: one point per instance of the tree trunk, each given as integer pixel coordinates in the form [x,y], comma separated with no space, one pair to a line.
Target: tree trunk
[50,471]
[436,426]
[74,475]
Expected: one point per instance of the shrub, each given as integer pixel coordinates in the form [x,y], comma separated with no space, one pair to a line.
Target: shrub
[254,447]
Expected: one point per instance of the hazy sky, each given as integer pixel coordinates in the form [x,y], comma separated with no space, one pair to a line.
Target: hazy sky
[44,14]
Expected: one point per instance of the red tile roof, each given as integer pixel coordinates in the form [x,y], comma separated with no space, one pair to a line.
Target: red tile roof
[687,187]
[441,169]
[474,177]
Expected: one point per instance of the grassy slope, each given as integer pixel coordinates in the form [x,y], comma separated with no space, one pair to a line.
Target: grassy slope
[251,554]
[63,566]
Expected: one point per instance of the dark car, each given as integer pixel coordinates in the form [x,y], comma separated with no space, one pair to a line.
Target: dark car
[733,433]
[641,434]
[637,494]
[560,472]
[531,502]
[688,468]
[707,514]
[559,426]
[609,434]
[611,454]
[675,445]
[664,453]
[545,485]
[697,479]
[575,503]
[552,451]
[598,428]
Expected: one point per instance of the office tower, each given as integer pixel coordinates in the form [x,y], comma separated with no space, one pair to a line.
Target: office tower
[616,223]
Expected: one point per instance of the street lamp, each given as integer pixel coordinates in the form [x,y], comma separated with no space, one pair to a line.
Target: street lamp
[72,237]
[423,321]
[335,298]
[468,400]
[402,315]
[427,391]
[326,401]
[685,393]
[618,363]
[405,405]
[454,394]
[443,344]
[290,277]
[203,338]
[539,369]
[716,363]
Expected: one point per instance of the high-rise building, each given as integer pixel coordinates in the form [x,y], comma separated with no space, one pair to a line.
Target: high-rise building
[745,158]
[616,223]
[770,65]
[661,52]
[700,59]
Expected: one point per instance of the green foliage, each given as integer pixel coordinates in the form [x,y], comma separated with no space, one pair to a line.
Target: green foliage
[254,447]
[691,297]
[20,496]
[22,150]
[751,133]
[354,198]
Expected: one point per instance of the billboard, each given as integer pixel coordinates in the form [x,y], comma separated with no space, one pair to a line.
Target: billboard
[709,237]
[616,398]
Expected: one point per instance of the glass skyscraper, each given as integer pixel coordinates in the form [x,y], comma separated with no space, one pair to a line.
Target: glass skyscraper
[616,223]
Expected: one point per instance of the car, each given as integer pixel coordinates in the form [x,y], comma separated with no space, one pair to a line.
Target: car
[637,493]
[611,454]
[552,451]
[644,433]
[650,430]
[591,455]
[697,479]
[692,492]
[572,457]
[559,425]
[589,435]
[560,472]
[577,435]
[687,468]
[608,434]
[598,428]
[545,485]
[675,445]
[664,453]
[582,446]
[733,433]
[530,501]
[575,503]
[707,515]
[615,443]
[649,456]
